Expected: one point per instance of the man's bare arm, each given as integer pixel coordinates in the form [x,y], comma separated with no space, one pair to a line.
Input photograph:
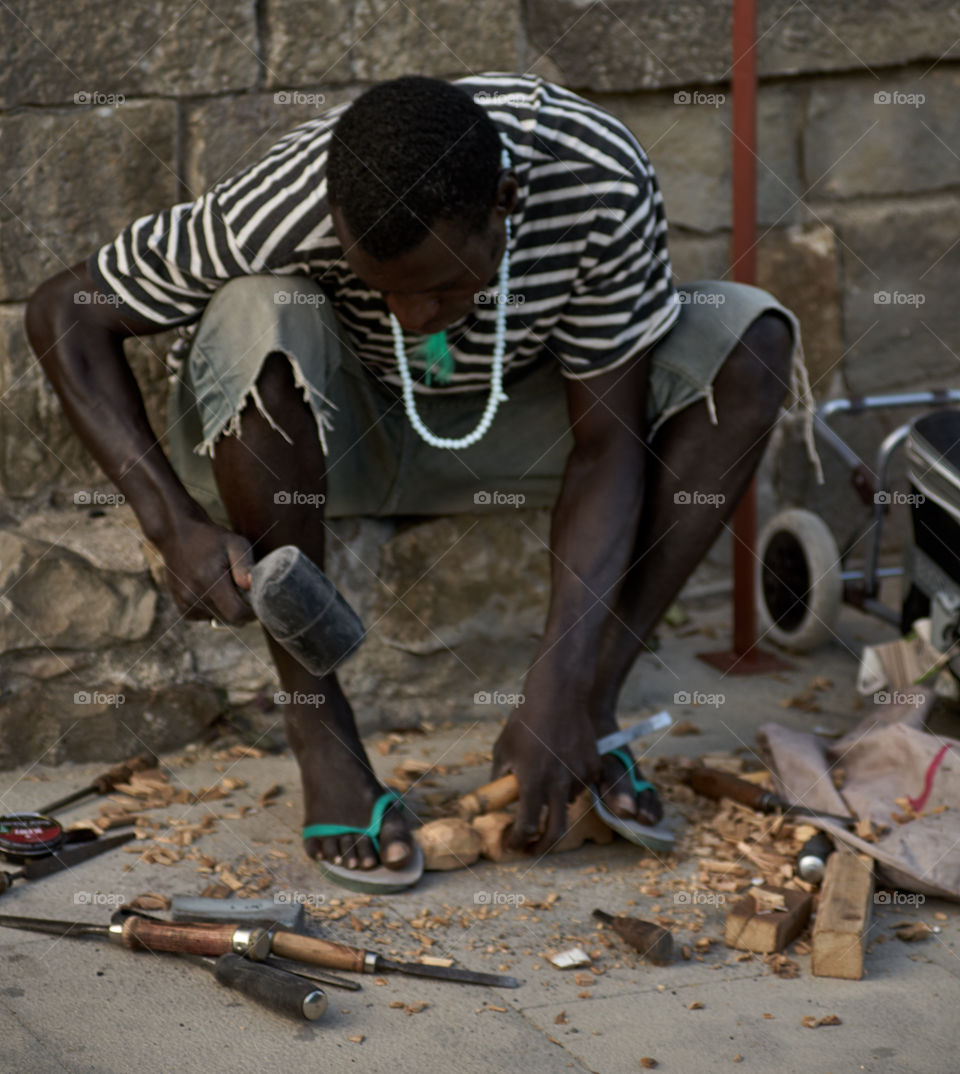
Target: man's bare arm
[80,348]
[549,741]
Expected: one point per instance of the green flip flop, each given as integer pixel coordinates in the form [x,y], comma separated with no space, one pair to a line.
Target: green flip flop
[381,879]
[653,837]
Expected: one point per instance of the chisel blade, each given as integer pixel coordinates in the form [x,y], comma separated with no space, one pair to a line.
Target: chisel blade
[53,926]
[67,859]
[448,973]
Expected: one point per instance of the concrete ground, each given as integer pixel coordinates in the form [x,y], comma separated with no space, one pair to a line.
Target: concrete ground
[81,1005]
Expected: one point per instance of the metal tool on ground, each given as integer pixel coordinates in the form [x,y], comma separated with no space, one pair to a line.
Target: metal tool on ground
[266,912]
[38,868]
[141,933]
[653,941]
[339,956]
[812,859]
[281,991]
[501,792]
[303,610]
[106,782]
[712,783]
[313,974]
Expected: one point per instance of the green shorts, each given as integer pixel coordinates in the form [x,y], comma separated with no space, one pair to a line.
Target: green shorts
[377,464]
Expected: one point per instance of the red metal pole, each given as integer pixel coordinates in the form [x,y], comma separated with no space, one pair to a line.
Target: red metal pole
[744,267]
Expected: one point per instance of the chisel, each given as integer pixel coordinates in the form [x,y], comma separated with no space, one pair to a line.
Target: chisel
[339,956]
[62,859]
[714,784]
[286,993]
[106,782]
[147,934]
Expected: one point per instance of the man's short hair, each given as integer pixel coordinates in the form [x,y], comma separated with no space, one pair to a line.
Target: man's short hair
[407,153]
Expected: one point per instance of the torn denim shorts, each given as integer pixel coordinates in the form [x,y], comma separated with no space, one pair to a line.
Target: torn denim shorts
[376,463]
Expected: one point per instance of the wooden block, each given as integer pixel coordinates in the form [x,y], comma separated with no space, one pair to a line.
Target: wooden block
[583,824]
[448,843]
[750,928]
[492,827]
[843,916]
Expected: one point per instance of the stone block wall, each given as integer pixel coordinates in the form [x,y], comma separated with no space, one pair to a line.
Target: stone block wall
[107,114]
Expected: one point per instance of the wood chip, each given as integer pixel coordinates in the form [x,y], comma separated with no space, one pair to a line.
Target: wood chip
[914,933]
[150,901]
[695,1006]
[561,1019]
[266,799]
[357,1038]
[767,1015]
[648,1062]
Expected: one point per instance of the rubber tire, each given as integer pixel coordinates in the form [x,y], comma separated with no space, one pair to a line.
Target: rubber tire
[797,557]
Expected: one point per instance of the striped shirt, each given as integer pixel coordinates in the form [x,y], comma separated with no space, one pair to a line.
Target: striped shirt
[590,282]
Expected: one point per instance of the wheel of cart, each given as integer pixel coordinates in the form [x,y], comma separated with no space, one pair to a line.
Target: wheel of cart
[802,574]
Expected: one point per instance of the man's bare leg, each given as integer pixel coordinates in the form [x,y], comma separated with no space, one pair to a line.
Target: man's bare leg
[339,786]
[689,454]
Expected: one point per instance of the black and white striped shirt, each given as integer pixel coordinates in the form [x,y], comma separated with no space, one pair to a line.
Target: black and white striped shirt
[590,277]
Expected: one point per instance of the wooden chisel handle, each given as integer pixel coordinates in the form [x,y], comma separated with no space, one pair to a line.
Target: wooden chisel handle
[489,798]
[715,784]
[334,956]
[140,933]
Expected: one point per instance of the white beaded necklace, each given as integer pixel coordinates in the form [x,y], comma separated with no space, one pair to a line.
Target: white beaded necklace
[496,373]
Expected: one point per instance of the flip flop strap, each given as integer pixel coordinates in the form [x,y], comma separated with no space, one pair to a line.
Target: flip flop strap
[630,764]
[372,830]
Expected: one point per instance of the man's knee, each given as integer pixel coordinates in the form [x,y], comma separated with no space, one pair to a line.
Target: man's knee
[761,363]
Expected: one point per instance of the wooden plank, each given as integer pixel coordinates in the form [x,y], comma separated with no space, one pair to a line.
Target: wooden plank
[752,927]
[843,916]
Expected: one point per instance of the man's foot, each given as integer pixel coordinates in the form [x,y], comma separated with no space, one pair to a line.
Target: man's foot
[339,788]
[616,789]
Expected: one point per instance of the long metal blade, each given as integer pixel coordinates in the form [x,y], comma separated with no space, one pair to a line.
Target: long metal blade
[51,925]
[67,859]
[448,973]
[646,726]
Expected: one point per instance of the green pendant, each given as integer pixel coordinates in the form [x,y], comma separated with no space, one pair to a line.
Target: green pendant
[438,359]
